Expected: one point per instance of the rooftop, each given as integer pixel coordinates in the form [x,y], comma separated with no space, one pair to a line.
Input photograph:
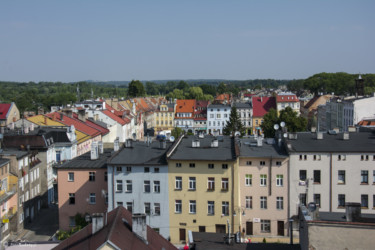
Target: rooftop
[84,161]
[248,148]
[242,105]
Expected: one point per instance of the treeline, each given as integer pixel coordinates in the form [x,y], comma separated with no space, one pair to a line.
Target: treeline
[339,83]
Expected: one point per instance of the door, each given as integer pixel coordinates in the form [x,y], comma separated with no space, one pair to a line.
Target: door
[249,228]
[220,228]
[280,228]
[182,234]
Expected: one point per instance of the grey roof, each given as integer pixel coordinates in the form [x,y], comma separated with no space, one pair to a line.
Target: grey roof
[84,161]
[141,154]
[100,123]
[241,105]
[341,217]
[360,142]
[249,148]
[13,151]
[3,161]
[213,106]
[224,152]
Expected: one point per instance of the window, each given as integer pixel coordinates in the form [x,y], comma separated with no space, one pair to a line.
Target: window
[248,163]
[192,206]
[305,157]
[192,165]
[156,186]
[341,177]
[263,180]
[211,183]
[72,221]
[280,203]
[278,163]
[118,170]
[317,157]
[224,184]
[262,163]
[146,186]
[373,176]
[192,184]
[128,169]
[316,176]
[364,177]
[129,186]
[373,201]
[364,201]
[178,206]
[178,182]
[279,180]
[341,200]
[156,170]
[210,165]
[224,166]
[146,169]
[341,157]
[70,176]
[211,207]
[317,200]
[106,176]
[263,202]
[119,203]
[265,226]
[118,185]
[92,198]
[249,202]
[225,208]
[72,198]
[178,165]
[302,198]
[91,176]
[129,206]
[147,208]
[302,175]
[364,157]
[156,209]
[248,180]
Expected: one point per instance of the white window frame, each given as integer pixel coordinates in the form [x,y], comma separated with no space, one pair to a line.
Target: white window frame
[192,206]
[210,207]
[263,180]
[248,180]
[279,180]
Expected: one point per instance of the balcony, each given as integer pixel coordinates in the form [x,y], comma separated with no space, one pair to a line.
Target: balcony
[8,192]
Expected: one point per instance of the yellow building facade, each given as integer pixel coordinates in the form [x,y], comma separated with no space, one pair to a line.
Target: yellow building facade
[164,117]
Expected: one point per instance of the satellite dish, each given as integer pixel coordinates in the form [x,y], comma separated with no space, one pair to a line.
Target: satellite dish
[276,126]
[282,124]
[237,133]
[171,139]
[285,135]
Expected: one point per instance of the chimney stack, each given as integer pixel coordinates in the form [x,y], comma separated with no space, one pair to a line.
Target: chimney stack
[100,146]
[139,225]
[94,151]
[97,222]
[116,145]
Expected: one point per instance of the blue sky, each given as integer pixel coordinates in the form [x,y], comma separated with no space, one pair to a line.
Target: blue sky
[206,39]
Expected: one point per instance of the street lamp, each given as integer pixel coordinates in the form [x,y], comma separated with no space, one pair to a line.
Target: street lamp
[279,129]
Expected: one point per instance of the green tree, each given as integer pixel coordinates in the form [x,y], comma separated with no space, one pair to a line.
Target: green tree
[222,88]
[269,120]
[136,89]
[177,132]
[234,124]
[176,94]
[195,93]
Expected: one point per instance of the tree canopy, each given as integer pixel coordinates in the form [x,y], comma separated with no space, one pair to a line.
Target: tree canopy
[234,124]
[136,89]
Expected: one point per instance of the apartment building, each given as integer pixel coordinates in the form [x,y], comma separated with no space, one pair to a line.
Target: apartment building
[202,174]
[245,112]
[164,117]
[184,117]
[82,185]
[331,169]
[8,113]
[263,185]
[261,106]
[200,117]
[217,118]
[284,100]
[138,180]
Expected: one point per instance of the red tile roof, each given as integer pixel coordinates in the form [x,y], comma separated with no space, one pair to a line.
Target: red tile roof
[367,122]
[79,125]
[4,109]
[287,98]
[114,117]
[185,106]
[118,230]
[103,130]
[261,105]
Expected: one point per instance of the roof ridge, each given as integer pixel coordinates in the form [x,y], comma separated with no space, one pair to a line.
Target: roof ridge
[113,223]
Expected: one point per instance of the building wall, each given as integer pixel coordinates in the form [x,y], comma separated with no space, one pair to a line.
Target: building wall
[81,187]
[13,115]
[217,118]
[138,197]
[192,221]
[271,191]
[362,110]
[245,116]
[164,120]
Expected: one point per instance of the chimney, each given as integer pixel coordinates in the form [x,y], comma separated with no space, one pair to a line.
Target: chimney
[45,120]
[139,226]
[345,136]
[116,145]
[196,143]
[351,129]
[129,142]
[97,222]
[319,135]
[61,117]
[163,144]
[337,130]
[94,151]
[353,211]
[26,129]
[32,127]
[82,115]
[100,146]
[259,141]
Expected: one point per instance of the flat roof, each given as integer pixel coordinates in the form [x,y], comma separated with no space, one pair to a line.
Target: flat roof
[248,148]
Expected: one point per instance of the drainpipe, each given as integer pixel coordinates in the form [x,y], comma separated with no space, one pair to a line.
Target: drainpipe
[232,199]
[330,183]
[113,187]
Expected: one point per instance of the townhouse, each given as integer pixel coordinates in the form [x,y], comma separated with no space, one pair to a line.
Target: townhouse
[8,113]
[245,113]
[164,117]
[138,180]
[217,117]
[284,100]
[261,106]
[184,117]
[83,185]
[202,174]
[331,169]
[263,187]
[200,117]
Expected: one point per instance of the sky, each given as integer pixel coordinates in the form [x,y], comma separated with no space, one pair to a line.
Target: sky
[117,40]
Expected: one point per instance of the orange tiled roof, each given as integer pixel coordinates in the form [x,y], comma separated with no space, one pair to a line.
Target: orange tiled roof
[185,106]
